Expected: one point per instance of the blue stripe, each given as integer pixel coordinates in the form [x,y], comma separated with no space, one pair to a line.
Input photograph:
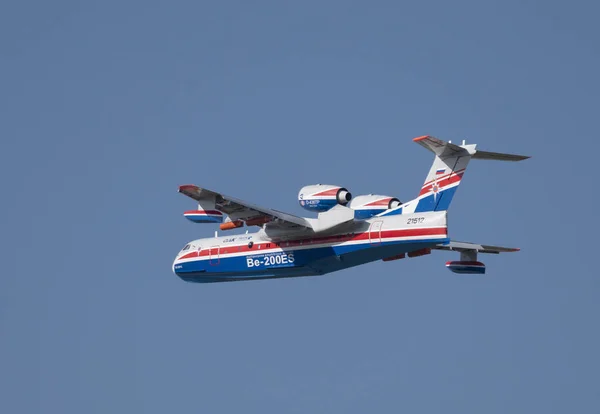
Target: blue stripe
[445,198]
[467,269]
[392,212]
[365,214]
[438,202]
[205,219]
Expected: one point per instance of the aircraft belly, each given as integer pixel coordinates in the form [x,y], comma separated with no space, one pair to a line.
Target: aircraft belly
[345,259]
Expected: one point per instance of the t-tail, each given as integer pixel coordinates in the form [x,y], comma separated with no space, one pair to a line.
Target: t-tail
[445,174]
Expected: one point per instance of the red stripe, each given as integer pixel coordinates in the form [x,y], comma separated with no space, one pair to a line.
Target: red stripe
[382,202]
[203,212]
[265,246]
[442,183]
[414,232]
[459,172]
[332,192]
[189,255]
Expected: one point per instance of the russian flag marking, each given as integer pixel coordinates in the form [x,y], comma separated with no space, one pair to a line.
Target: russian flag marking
[440,171]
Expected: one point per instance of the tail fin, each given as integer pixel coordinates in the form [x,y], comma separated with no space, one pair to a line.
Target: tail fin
[446,172]
[445,175]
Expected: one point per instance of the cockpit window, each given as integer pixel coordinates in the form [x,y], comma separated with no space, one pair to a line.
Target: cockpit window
[187,246]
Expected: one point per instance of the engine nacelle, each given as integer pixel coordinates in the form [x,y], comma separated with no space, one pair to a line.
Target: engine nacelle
[322,197]
[366,206]
[468,267]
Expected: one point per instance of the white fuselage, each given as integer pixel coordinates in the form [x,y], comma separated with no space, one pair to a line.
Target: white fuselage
[268,254]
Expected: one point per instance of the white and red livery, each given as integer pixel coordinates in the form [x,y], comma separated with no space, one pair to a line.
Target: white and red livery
[346,233]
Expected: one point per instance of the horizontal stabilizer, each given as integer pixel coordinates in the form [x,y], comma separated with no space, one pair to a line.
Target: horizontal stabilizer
[445,149]
[441,148]
[485,155]
[480,248]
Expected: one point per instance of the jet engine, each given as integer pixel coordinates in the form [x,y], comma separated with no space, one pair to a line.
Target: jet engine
[322,197]
[366,206]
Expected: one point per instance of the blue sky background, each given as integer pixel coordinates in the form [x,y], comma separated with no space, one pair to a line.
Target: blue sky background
[107,107]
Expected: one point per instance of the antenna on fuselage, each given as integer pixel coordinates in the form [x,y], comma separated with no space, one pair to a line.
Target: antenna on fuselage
[216,234]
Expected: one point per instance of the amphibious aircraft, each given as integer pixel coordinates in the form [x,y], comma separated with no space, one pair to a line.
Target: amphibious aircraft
[347,231]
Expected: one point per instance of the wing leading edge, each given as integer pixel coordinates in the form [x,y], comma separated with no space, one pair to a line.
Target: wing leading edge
[240,210]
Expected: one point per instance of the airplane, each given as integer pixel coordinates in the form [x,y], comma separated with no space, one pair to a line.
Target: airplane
[347,232]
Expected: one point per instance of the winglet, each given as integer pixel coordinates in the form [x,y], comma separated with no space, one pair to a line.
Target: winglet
[443,149]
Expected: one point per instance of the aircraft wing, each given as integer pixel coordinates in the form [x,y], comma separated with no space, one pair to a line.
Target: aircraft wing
[480,248]
[240,210]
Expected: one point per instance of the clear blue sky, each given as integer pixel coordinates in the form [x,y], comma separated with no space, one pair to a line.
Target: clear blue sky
[106,107]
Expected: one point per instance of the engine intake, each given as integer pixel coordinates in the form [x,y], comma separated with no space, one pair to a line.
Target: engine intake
[322,197]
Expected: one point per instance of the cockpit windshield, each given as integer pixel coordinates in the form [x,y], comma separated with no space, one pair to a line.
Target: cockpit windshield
[187,247]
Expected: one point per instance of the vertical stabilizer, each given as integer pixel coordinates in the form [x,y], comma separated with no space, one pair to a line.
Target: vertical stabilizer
[446,172]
